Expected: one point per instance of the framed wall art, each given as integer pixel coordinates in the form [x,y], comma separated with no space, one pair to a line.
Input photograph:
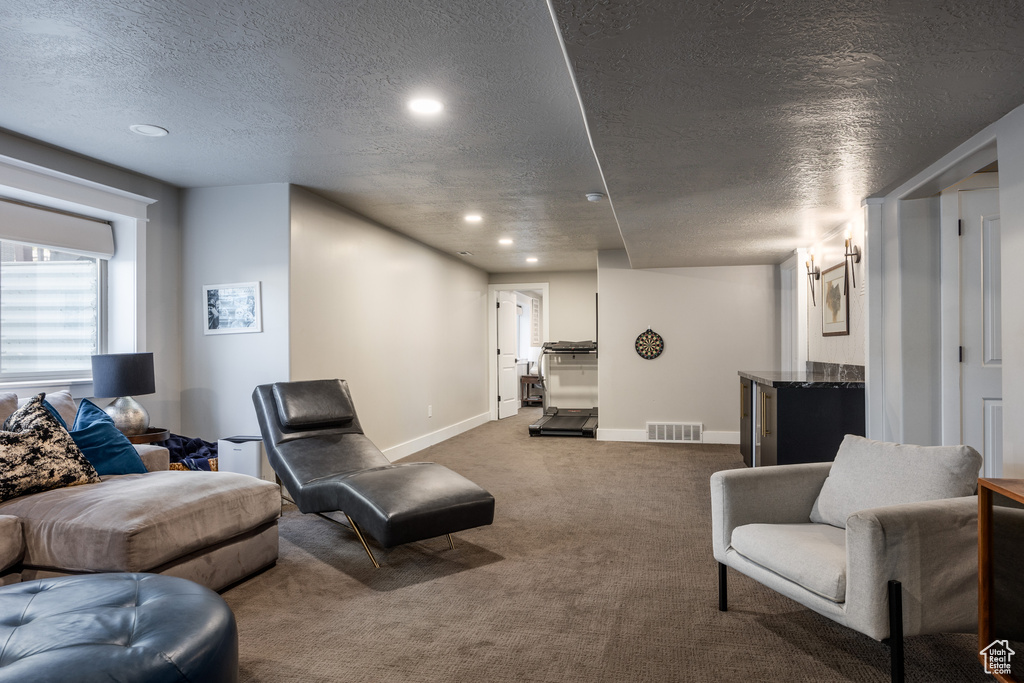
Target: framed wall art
[233,309]
[835,305]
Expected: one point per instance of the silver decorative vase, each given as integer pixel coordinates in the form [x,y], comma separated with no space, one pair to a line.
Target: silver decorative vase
[128,415]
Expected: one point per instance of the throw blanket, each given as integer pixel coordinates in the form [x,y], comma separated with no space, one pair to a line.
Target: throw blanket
[191,454]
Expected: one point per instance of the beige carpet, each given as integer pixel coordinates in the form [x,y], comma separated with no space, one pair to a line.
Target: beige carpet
[598,568]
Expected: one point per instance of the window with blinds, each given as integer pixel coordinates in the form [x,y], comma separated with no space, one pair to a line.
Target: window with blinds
[51,296]
[49,312]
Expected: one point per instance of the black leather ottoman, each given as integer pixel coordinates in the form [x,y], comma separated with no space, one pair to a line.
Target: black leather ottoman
[115,627]
[413,501]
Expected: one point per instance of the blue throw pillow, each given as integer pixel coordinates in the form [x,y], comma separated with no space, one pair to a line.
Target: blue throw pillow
[109,451]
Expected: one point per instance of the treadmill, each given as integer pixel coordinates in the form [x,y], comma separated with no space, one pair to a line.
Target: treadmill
[564,421]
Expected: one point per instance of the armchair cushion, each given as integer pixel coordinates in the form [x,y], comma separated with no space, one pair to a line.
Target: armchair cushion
[811,555]
[869,474]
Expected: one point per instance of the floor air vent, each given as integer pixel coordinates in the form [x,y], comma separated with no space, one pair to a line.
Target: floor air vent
[678,432]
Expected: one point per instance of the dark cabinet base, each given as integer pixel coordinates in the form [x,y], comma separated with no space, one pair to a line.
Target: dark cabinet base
[807,424]
[787,422]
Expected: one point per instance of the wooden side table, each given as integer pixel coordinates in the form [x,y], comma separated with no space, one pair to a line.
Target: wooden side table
[528,385]
[151,435]
[1000,583]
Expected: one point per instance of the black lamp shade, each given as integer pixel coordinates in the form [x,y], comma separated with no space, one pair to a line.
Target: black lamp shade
[122,374]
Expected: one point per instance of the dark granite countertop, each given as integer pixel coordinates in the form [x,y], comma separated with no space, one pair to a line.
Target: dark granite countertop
[776,378]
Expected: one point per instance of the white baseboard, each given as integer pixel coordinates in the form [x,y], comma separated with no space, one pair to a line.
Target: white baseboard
[419,443]
[621,434]
[641,435]
[722,437]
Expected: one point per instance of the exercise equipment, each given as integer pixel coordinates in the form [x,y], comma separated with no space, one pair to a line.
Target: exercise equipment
[564,421]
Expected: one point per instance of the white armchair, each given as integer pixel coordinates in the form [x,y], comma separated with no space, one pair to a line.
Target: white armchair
[883,540]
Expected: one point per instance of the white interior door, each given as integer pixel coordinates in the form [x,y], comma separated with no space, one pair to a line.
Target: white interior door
[981,379]
[508,378]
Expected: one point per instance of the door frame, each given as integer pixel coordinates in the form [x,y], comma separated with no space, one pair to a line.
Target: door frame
[492,332]
[949,294]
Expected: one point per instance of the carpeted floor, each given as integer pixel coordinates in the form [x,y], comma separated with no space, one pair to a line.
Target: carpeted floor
[598,567]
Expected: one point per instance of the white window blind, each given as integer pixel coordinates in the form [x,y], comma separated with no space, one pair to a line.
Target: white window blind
[49,312]
[45,228]
[50,324]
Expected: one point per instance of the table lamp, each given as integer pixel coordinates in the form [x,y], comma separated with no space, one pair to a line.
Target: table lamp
[124,375]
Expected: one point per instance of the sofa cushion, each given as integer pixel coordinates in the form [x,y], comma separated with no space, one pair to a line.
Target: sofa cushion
[60,402]
[12,541]
[103,444]
[37,454]
[869,474]
[811,555]
[137,522]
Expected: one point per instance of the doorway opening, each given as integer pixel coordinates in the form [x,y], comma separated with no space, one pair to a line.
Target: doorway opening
[517,323]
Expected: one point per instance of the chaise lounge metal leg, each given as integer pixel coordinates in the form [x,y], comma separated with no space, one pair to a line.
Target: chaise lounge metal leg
[450,541]
[723,588]
[359,535]
[896,631]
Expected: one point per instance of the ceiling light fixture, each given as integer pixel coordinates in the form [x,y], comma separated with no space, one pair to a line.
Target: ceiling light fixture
[148,130]
[504,240]
[595,196]
[532,259]
[423,105]
[473,218]
[464,253]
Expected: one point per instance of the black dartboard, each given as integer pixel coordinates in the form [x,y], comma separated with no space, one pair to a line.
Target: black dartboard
[649,344]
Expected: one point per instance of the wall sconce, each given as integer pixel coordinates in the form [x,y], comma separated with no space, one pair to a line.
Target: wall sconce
[813,273]
[852,256]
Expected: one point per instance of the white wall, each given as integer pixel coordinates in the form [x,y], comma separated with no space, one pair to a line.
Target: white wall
[163,238]
[845,349]
[232,234]
[715,322]
[405,325]
[572,312]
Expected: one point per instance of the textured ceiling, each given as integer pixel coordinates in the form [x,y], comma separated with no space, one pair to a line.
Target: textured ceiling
[732,132]
[729,132]
[314,93]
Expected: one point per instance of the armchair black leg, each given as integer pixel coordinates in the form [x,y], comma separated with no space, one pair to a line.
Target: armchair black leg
[896,630]
[723,588]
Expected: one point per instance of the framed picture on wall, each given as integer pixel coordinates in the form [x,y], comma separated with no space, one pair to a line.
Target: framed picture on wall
[233,309]
[835,305]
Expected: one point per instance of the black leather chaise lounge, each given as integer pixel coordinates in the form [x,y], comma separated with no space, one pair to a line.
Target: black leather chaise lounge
[317,448]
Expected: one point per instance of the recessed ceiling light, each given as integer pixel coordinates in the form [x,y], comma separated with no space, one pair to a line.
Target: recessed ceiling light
[423,105]
[504,240]
[148,130]
[532,259]
[595,196]
[473,218]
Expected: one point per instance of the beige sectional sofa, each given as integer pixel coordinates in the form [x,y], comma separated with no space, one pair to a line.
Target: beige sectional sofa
[214,528]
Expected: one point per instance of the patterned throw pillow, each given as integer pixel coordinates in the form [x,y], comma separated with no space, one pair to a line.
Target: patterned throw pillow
[37,454]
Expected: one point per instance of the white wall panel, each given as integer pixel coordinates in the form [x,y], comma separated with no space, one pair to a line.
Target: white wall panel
[233,234]
[715,321]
